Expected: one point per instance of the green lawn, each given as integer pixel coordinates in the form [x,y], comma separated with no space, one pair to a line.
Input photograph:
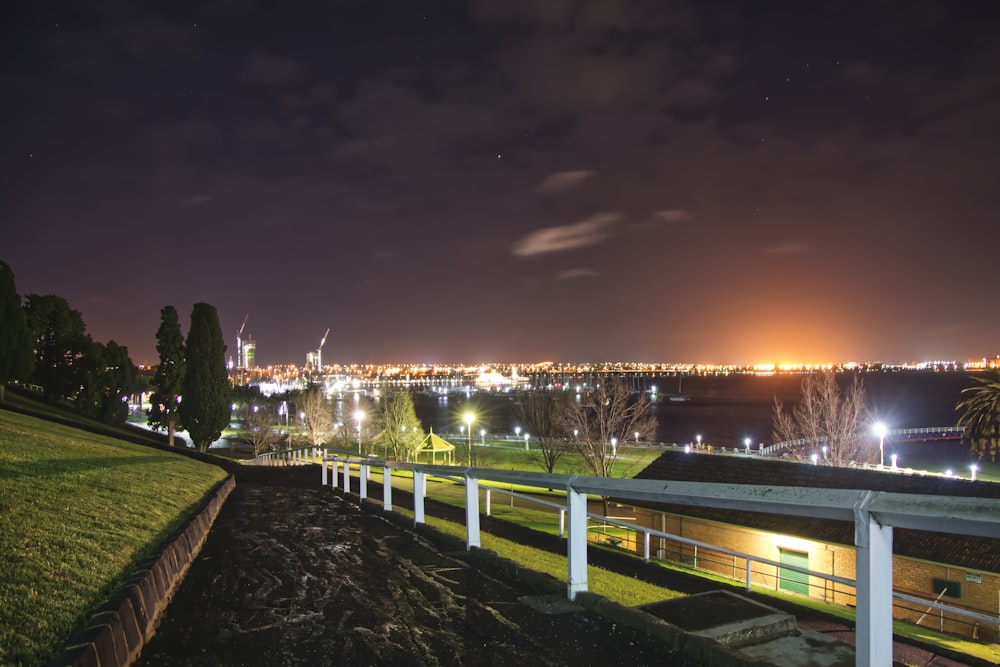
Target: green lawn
[78,511]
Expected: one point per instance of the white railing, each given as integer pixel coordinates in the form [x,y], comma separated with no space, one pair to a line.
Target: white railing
[874,515]
[937,431]
[294,456]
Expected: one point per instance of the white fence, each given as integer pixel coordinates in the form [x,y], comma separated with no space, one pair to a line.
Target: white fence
[874,515]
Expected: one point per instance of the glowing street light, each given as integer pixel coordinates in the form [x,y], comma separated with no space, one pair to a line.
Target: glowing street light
[517,431]
[973,468]
[359,416]
[482,436]
[698,438]
[880,430]
[614,446]
[636,437]
[746,443]
[469,418]
[893,457]
[526,436]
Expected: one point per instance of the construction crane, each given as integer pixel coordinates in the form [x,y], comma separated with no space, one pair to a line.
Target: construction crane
[240,361]
[319,352]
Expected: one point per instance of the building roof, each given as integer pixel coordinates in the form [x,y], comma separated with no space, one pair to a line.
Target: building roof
[979,553]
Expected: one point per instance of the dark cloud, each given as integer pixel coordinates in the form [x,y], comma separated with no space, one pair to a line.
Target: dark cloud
[362,166]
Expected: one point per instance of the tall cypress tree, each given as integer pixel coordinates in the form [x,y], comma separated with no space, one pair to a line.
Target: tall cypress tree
[205,406]
[169,379]
[16,358]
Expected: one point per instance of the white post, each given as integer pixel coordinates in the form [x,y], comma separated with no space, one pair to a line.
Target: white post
[387,489]
[418,497]
[471,512]
[562,522]
[874,587]
[749,563]
[577,545]
[488,495]
[366,470]
[347,476]
[323,466]
[645,547]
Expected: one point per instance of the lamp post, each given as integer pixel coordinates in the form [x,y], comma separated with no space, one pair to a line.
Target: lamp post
[880,431]
[469,418]
[973,468]
[746,444]
[517,431]
[526,436]
[698,438]
[482,436]
[359,416]
[614,447]
[636,437]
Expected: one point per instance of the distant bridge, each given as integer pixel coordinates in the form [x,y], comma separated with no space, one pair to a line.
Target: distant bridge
[896,435]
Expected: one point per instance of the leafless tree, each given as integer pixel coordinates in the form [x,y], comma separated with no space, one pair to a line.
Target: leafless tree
[259,429]
[831,416]
[542,414]
[317,415]
[604,417]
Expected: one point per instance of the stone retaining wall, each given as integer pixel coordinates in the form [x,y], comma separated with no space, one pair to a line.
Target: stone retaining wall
[121,626]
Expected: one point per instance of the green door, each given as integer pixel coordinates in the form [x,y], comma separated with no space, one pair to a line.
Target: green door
[790,580]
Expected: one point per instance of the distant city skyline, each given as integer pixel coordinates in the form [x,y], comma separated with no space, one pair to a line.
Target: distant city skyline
[503,179]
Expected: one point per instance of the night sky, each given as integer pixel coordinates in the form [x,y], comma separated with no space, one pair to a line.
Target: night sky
[513,180]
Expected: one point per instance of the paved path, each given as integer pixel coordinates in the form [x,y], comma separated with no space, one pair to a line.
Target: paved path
[293,574]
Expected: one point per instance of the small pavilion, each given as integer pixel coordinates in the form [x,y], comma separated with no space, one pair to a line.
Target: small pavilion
[434,445]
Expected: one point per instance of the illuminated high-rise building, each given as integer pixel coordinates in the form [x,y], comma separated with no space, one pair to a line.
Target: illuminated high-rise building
[249,353]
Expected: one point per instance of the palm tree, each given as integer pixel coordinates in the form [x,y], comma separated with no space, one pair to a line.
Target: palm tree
[981,416]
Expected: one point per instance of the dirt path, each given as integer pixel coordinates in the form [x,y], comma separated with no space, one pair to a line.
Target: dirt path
[293,574]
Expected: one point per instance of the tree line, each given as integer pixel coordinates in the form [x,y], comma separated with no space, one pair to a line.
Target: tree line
[44,342]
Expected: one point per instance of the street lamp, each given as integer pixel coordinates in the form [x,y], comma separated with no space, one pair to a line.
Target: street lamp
[894,461]
[469,418]
[359,416]
[526,436]
[517,431]
[880,431]
[698,438]
[637,437]
[746,443]
[482,436]
[614,447]
[973,468]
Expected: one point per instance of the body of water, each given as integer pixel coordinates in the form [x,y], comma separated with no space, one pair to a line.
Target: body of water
[726,409]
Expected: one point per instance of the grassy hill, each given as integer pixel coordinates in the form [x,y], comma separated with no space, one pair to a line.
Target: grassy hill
[78,511]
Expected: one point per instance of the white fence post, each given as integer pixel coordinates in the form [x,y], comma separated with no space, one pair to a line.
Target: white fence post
[347,476]
[323,466]
[387,488]
[645,547]
[418,497]
[577,547]
[562,523]
[874,586]
[488,495]
[365,471]
[471,512]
